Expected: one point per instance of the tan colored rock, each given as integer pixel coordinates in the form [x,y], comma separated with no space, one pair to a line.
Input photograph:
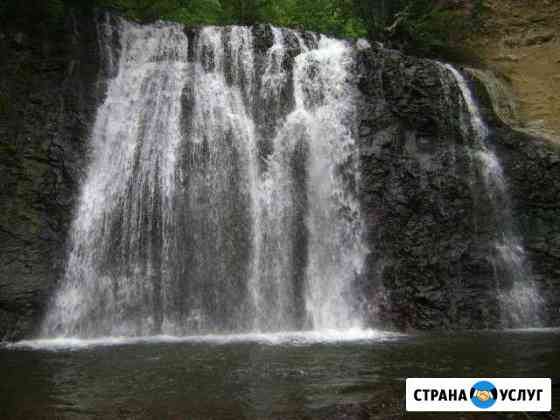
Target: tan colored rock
[507,57]
[520,42]
[539,38]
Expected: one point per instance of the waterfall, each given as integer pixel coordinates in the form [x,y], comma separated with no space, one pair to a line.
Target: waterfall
[336,251]
[518,295]
[221,193]
[126,202]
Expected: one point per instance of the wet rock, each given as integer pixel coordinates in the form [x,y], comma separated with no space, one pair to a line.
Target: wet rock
[428,225]
[530,167]
[43,130]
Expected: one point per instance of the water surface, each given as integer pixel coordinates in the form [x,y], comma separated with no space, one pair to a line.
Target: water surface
[280,376]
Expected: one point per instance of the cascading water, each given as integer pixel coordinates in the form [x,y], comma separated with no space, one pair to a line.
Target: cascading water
[518,295]
[116,271]
[208,207]
[336,251]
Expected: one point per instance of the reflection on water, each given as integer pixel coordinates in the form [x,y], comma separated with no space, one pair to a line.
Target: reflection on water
[284,376]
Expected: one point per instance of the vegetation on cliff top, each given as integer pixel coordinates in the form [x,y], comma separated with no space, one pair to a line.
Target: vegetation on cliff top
[421,27]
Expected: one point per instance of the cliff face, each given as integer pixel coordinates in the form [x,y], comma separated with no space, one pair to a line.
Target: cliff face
[532,168]
[520,42]
[429,229]
[429,238]
[429,218]
[48,96]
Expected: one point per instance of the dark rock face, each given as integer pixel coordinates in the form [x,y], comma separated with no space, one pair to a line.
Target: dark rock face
[49,93]
[429,243]
[423,198]
[429,221]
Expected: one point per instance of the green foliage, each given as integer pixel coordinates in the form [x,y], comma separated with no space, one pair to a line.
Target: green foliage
[376,15]
[426,28]
[422,27]
[327,16]
[198,12]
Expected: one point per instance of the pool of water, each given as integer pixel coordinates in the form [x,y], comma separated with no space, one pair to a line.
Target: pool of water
[356,375]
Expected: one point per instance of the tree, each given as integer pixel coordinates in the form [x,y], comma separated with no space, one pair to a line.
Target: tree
[421,27]
[199,12]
